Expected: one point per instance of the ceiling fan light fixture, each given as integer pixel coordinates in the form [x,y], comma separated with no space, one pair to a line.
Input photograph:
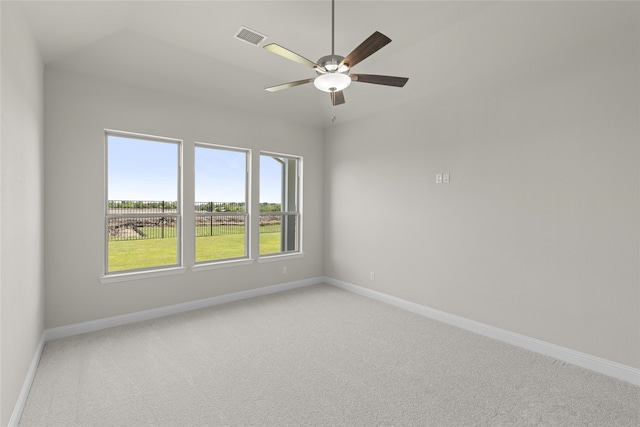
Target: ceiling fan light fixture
[332,82]
[333,70]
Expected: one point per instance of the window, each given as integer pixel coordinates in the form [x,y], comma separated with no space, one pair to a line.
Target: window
[142,212]
[221,203]
[279,204]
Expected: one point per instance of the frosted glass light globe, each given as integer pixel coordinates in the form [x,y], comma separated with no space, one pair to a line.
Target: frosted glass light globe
[332,82]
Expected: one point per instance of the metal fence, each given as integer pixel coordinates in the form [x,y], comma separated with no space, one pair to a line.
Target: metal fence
[219,225]
[211,207]
[220,219]
[270,223]
[141,206]
[142,219]
[143,227]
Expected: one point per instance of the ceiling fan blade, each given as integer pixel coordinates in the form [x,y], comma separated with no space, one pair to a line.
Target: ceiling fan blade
[288,85]
[277,49]
[375,42]
[337,98]
[380,80]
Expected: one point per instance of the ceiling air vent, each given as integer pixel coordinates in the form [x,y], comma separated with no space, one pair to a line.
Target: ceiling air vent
[248,35]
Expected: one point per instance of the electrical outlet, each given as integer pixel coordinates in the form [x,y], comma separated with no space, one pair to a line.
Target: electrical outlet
[284,270]
[372,275]
[438,178]
[445,178]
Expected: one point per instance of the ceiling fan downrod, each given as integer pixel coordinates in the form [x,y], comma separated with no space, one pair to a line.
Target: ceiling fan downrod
[333,26]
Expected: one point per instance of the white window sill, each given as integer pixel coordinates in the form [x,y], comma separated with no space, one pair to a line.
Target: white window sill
[137,275]
[280,257]
[221,264]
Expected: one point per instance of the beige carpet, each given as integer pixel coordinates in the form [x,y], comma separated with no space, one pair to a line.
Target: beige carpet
[312,356]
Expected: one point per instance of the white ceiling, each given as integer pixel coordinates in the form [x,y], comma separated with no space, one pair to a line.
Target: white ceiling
[188,48]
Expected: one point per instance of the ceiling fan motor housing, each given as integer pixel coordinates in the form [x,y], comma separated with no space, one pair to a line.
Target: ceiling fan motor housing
[331,64]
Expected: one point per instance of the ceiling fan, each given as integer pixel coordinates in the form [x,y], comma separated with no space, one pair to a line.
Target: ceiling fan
[333,70]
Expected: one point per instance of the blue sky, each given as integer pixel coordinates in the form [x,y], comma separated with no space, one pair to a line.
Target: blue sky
[148,170]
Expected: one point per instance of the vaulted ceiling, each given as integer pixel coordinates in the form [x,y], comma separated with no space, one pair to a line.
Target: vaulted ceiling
[188,47]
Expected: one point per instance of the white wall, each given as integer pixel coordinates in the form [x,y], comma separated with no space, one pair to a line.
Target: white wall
[21,206]
[78,109]
[537,232]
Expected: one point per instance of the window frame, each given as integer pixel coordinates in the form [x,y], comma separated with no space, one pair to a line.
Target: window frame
[157,270]
[214,263]
[297,213]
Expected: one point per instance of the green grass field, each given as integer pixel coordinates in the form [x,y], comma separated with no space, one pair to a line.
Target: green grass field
[134,254]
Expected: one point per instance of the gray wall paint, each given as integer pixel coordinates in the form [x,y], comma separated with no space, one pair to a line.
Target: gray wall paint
[21,206]
[78,109]
[537,232]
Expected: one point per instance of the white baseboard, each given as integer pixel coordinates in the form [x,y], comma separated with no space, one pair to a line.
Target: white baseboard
[594,363]
[26,386]
[138,316]
[597,364]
